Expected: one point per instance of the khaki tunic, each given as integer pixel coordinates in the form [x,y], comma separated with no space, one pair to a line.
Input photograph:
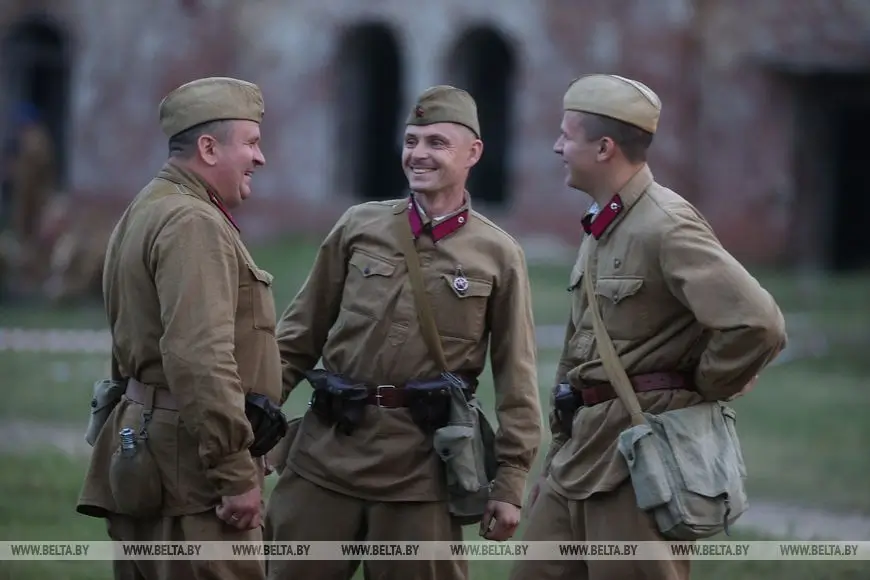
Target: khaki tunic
[190,311]
[672,299]
[357,310]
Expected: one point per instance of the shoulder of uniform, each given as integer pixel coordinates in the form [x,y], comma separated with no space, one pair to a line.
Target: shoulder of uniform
[369,209]
[671,210]
[495,230]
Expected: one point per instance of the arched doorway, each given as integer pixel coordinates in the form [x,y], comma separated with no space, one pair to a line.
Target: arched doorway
[369,102]
[35,67]
[483,63]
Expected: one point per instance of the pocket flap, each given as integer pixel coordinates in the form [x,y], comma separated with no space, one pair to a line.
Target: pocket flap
[107,392]
[475,287]
[451,441]
[617,289]
[261,275]
[648,471]
[371,266]
[702,448]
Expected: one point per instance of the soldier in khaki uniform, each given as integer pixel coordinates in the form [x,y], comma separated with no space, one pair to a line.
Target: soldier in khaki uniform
[384,482]
[193,327]
[687,321]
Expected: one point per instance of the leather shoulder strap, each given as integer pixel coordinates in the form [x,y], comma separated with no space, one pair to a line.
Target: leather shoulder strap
[617,375]
[424,309]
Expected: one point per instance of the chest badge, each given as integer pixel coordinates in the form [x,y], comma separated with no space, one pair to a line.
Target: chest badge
[460,282]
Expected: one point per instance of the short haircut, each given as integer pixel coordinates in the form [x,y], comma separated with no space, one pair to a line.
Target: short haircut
[184,144]
[633,141]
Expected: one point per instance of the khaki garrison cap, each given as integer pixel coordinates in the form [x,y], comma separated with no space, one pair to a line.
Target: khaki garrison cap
[210,99]
[445,104]
[616,97]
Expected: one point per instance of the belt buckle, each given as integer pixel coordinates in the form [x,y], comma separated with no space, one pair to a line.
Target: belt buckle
[379,396]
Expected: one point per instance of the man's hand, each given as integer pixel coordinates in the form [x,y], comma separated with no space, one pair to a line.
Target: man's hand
[748,387]
[507,518]
[268,468]
[533,495]
[241,511]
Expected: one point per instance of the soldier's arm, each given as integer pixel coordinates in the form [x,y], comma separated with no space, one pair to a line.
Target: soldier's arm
[559,437]
[514,370]
[747,327]
[196,275]
[305,324]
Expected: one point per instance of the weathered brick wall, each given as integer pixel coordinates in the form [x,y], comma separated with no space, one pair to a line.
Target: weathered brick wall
[725,139]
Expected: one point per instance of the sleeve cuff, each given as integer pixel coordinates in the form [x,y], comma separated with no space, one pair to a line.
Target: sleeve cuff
[509,485]
[234,475]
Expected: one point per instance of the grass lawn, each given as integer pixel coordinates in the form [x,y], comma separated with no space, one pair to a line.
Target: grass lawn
[50,484]
[836,303]
[803,429]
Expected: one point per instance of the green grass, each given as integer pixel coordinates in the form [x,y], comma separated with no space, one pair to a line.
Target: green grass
[802,428]
[38,494]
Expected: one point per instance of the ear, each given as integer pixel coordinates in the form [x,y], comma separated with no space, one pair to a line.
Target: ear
[475,152]
[207,147]
[606,149]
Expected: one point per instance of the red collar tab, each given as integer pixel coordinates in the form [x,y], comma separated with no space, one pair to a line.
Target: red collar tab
[438,231]
[597,224]
[220,205]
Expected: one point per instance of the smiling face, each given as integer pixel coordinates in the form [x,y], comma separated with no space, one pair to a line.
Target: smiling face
[234,160]
[438,157]
[580,156]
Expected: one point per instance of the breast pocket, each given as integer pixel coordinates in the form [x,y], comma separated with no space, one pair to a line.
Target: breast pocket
[460,309]
[622,307]
[262,301]
[370,284]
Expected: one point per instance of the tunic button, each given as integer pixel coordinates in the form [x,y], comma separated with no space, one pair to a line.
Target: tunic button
[366,271]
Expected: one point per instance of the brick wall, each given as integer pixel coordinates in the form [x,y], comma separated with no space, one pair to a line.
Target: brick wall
[726,138]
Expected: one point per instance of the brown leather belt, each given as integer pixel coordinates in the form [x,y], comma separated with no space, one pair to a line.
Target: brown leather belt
[389,396]
[392,396]
[593,394]
[139,393]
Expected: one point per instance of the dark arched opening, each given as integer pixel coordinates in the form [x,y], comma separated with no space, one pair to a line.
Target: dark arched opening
[483,63]
[369,101]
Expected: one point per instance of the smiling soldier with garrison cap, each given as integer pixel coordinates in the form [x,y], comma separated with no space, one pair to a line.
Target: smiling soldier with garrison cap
[193,341]
[364,464]
[687,322]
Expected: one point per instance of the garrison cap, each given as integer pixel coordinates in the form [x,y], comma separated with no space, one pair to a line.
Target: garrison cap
[445,104]
[617,97]
[210,99]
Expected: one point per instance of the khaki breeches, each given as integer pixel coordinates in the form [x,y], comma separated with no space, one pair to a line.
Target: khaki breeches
[612,516]
[300,511]
[204,527]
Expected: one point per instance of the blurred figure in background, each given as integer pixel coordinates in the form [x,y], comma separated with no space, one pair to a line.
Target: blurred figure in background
[30,178]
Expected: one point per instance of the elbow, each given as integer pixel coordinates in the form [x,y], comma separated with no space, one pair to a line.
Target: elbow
[772,332]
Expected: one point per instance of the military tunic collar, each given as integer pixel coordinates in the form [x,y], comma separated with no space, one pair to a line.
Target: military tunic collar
[599,220]
[438,228]
[196,185]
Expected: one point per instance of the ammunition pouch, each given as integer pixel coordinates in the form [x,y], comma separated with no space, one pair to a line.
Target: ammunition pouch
[429,403]
[336,400]
[267,422]
[466,445]
[567,401]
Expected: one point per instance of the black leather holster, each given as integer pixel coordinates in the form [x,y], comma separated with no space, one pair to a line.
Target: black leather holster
[267,422]
[567,402]
[337,400]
